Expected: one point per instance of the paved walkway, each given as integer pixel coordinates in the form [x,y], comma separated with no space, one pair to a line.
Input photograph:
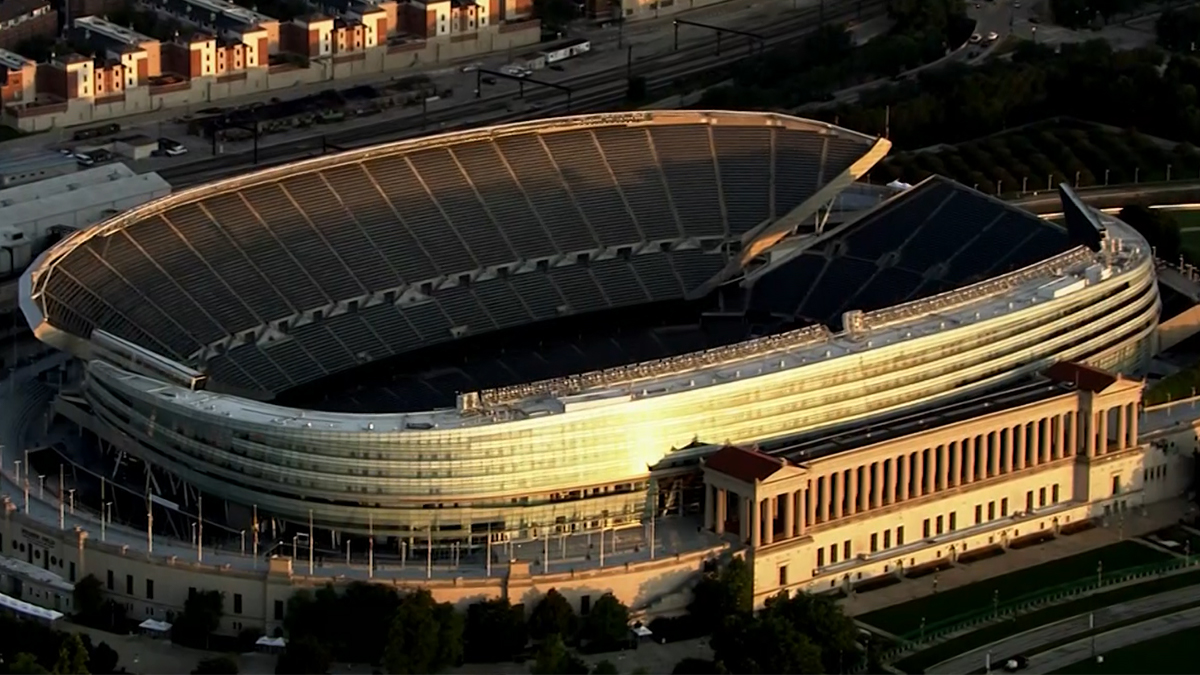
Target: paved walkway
[1135,524]
[1081,650]
[1031,640]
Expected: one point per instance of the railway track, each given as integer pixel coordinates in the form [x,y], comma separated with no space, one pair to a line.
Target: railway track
[593,92]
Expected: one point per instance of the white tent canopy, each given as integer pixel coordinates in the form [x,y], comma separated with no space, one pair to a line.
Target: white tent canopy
[899,185]
[271,642]
[29,610]
[155,626]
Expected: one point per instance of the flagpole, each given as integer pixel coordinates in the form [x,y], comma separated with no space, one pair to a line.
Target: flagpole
[371,545]
[200,529]
[489,550]
[310,542]
[256,536]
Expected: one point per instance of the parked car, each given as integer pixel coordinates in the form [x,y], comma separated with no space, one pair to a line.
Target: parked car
[171,148]
[1016,663]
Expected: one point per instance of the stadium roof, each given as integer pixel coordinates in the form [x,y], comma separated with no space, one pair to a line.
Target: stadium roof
[285,276]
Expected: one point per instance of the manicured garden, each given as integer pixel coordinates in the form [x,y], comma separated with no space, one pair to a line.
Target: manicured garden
[907,618]
[987,634]
[1041,155]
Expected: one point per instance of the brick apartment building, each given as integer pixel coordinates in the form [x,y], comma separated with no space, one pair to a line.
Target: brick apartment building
[18,78]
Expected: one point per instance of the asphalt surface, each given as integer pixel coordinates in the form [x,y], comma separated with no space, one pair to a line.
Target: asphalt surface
[1030,641]
[1082,650]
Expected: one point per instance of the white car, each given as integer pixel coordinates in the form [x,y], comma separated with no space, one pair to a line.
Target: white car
[470,68]
[992,37]
[976,38]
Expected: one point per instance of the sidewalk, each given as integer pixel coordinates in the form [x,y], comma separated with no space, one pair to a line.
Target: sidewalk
[1081,650]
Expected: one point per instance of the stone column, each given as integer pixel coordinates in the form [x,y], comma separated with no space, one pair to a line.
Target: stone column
[918,460]
[1021,435]
[804,510]
[864,488]
[889,481]
[722,501]
[876,485]
[1102,437]
[1088,429]
[1047,440]
[789,514]
[902,478]
[852,491]
[969,453]
[823,493]
[1006,442]
[994,449]
[953,463]
[1071,422]
[1123,427]
[768,522]
[1133,424]
[1057,449]
[838,479]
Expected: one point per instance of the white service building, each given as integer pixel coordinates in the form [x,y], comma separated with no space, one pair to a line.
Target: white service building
[31,213]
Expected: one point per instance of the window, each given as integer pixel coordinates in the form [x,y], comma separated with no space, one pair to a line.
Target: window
[1041,497]
[821,557]
[833,554]
[1029,501]
[978,513]
[900,536]
[111,585]
[846,550]
[991,511]
[925,529]
[1116,485]
[72,572]
[953,521]
[874,542]
[149,589]
[1004,507]
[887,539]
[128,584]
[279,610]
[237,603]
[783,581]
[1054,493]
[939,524]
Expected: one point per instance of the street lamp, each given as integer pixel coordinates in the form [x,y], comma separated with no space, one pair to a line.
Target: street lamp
[71,498]
[41,486]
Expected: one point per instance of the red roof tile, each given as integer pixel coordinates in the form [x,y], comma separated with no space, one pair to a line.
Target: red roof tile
[1082,376]
[744,464]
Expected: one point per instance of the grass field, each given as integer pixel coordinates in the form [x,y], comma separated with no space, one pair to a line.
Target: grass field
[906,618]
[920,661]
[1169,654]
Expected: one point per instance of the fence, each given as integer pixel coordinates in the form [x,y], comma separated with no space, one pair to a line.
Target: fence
[1030,601]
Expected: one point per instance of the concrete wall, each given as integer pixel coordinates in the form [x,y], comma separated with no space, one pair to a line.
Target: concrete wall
[75,554]
[1178,328]
[206,90]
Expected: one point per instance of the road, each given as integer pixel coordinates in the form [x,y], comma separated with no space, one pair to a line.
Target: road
[1081,650]
[600,90]
[1030,641]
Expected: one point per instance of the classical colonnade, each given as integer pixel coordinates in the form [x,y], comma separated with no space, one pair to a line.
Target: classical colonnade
[784,509]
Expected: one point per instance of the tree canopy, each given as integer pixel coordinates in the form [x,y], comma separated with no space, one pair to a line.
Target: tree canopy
[424,636]
[606,627]
[494,631]
[553,615]
[553,659]
[802,634]
[722,593]
[201,617]
[217,665]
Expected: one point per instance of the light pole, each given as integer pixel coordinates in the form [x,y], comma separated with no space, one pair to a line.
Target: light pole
[1099,572]
[41,486]
[71,498]
[104,518]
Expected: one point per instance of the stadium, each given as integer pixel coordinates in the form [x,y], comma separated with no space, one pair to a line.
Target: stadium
[506,331]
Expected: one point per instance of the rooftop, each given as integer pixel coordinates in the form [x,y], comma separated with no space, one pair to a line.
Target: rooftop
[230,10]
[744,464]
[32,572]
[111,30]
[13,60]
[112,183]
[15,9]
[29,161]
[816,445]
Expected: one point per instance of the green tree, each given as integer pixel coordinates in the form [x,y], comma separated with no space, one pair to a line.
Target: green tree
[723,593]
[554,659]
[606,627]
[305,656]
[821,620]
[89,599]
[494,631]
[553,615]
[767,644]
[1159,229]
[217,665]
[72,657]
[103,659]
[201,616]
[605,667]
[424,636]
[26,664]
[694,666]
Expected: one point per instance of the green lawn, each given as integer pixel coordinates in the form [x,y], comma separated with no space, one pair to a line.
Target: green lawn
[1166,655]
[906,618]
[985,635]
